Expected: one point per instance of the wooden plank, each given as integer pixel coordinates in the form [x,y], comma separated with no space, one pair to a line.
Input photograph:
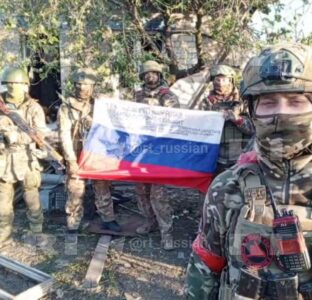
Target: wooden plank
[36,292]
[97,263]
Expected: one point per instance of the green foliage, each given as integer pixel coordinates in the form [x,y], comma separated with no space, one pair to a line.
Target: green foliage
[307,40]
[105,34]
[283,25]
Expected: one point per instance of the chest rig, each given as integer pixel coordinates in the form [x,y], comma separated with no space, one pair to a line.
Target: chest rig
[81,119]
[254,268]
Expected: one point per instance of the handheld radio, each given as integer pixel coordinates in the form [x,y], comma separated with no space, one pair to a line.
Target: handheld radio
[292,252]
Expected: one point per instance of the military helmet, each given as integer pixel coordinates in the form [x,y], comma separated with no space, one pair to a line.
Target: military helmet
[280,68]
[15,75]
[86,75]
[221,70]
[150,66]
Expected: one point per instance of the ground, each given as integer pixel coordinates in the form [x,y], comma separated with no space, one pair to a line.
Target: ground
[136,268]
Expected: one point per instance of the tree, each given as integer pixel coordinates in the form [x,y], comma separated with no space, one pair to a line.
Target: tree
[106,34]
[284,23]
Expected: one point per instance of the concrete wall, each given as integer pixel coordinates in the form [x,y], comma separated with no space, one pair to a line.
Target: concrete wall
[185,50]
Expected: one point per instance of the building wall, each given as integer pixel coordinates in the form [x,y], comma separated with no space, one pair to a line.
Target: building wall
[185,50]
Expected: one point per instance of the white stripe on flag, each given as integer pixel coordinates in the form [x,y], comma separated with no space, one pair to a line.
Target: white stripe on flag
[142,119]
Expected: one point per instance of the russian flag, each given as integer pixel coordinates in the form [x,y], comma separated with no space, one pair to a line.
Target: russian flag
[141,143]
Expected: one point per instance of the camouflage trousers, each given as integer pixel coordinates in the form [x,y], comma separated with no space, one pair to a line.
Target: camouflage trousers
[154,204]
[34,213]
[201,283]
[74,204]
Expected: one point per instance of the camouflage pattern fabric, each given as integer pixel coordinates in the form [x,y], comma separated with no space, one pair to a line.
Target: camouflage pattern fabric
[32,182]
[284,136]
[221,70]
[154,204]
[298,58]
[74,203]
[152,199]
[202,283]
[227,210]
[18,152]
[6,212]
[19,163]
[161,96]
[236,135]
[75,120]
[103,200]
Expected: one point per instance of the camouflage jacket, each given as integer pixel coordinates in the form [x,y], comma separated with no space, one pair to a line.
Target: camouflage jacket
[74,120]
[161,96]
[20,155]
[236,134]
[237,209]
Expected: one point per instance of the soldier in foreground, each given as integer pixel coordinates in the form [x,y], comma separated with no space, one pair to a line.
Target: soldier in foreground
[238,129]
[254,238]
[152,198]
[18,154]
[75,119]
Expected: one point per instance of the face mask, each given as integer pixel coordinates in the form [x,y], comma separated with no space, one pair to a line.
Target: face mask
[16,93]
[83,92]
[222,86]
[151,79]
[283,136]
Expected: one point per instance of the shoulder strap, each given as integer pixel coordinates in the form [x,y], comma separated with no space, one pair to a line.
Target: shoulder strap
[251,184]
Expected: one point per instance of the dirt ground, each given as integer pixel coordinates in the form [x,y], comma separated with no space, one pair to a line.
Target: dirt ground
[136,268]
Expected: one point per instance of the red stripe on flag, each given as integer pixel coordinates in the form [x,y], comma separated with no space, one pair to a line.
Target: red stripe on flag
[92,166]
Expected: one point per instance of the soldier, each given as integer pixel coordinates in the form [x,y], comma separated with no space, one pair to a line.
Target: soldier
[238,129]
[240,251]
[75,119]
[18,154]
[152,198]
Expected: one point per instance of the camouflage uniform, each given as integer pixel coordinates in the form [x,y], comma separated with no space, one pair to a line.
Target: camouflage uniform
[237,209]
[18,160]
[75,119]
[236,133]
[152,198]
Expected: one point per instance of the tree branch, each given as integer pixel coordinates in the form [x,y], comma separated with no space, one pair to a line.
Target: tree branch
[137,21]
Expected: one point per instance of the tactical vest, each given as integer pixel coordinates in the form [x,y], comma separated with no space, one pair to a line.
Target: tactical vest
[251,249]
[16,160]
[161,96]
[233,141]
[232,144]
[81,119]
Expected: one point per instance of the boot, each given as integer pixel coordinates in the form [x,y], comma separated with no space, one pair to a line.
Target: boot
[36,239]
[167,241]
[112,226]
[147,227]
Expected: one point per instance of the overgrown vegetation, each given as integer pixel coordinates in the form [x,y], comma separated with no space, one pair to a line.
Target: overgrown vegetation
[114,36]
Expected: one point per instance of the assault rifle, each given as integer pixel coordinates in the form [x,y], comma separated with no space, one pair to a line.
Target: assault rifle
[227,105]
[33,134]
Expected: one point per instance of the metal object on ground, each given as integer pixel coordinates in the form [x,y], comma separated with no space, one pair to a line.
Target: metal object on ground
[44,281]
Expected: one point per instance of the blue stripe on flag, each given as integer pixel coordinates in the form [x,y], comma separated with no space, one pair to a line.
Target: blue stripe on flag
[145,149]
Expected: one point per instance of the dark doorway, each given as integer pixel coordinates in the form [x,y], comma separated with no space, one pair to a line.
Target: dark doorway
[46,84]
